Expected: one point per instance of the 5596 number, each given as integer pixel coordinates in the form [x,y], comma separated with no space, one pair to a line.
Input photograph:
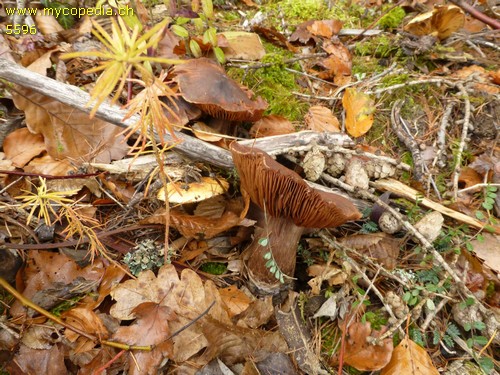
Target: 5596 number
[20,29]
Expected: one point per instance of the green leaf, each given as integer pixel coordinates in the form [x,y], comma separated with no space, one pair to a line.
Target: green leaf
[219,55]
[195,48]
[208,8]
[480,215]
[270,263]
[264,241]
[267,255]
[210,36]
[479,325]
[486,364]
[179,31]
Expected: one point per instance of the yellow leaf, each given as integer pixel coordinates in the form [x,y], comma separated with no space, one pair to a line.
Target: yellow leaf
[359,109]
[409,358]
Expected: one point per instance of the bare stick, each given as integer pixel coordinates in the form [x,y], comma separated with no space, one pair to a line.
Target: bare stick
[461,147]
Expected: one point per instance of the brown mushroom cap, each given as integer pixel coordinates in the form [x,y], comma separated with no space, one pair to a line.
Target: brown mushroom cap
[283,193]
[203,82]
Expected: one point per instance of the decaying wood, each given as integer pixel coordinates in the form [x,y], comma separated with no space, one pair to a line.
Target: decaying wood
[192,147]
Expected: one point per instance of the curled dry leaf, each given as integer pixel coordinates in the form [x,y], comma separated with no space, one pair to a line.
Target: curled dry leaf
[21,146]
[382,247]
[409,358]
[319,273]
[180,193]
[205,132]
[150,328]
[235,300]
[338,64]
[204,227]
[271,125]
[442,21]
[359,109]
[325,28]
[243,45]
[321,119]
[488,250]
[203,82]
[361,354]
[36,361]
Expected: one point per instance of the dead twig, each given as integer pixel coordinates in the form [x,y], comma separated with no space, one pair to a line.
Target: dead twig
[463,139]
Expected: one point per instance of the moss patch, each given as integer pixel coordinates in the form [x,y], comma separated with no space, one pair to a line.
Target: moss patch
[274,84]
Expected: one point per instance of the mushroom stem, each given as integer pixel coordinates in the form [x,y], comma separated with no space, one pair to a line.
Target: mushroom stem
[282,237]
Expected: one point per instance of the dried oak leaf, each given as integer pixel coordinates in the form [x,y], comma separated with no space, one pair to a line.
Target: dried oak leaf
[205,83]
[361,354]
[409,358]
[186,296]
[151,327]
[21,146]
[235,300]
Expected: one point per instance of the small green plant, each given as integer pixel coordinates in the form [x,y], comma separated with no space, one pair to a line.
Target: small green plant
[377,319]
[203,27]
[271,264]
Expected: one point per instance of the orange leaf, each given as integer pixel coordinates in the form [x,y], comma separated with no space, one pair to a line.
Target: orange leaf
[362,355]
[21,146]
[359,109]
[409,358]
[235,300]
[271,125]
[321,119]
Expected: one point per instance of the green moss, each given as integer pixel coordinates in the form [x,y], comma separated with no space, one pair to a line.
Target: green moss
[394,79]
[379,46]
[298,11]
[392,19]
[214,268]
[275,85]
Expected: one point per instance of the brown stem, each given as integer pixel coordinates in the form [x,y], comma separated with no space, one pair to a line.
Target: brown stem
[282,239]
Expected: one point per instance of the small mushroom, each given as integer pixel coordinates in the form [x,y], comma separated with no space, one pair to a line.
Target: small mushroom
[290,206]
[203,82]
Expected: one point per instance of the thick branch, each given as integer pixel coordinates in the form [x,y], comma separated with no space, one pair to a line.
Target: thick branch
[190,146]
